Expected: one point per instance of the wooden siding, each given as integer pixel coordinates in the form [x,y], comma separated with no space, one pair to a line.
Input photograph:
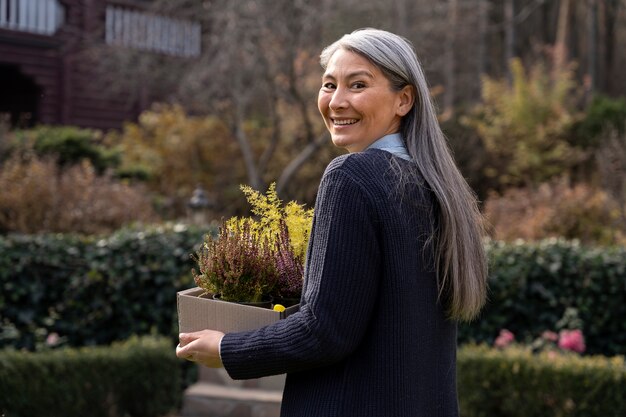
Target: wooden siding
[68,93]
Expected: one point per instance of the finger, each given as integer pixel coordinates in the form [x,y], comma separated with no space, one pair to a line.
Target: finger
[192,335]
[182,352]
[185,338]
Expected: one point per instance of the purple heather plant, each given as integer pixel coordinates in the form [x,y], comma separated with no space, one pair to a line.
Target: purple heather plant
[289,267]
[237,265]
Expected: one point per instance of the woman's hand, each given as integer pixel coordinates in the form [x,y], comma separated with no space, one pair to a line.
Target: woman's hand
[202,347]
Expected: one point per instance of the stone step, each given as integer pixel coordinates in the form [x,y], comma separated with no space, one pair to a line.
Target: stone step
[220,377]
[205,399]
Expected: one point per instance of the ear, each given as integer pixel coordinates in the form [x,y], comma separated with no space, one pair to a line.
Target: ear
[406,98]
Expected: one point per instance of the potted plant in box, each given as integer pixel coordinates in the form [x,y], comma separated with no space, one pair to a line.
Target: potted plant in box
[255,259]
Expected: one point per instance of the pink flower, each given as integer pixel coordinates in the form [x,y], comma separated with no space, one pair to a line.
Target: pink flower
[504,339]
[572,340]
[550,336]
[52,339]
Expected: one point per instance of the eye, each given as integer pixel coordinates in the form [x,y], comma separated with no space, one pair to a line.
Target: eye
[358,85]
[328,86]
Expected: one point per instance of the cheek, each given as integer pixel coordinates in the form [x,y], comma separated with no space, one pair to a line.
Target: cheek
[322,102]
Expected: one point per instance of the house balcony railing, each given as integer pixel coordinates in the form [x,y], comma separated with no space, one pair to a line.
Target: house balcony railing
[150,32]
[43,17]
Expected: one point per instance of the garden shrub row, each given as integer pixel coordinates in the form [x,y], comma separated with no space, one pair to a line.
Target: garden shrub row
[533,285]
[92,291]
[137,378]
[517,383]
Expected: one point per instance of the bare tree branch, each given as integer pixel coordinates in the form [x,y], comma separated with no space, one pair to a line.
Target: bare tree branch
[296,163]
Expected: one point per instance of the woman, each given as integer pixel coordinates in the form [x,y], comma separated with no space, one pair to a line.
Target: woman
[394,261]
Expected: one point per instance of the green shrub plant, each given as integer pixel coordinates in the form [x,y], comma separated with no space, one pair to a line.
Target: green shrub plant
[67,145]
[138,378]
[534,285]
[93,290]
[515,382]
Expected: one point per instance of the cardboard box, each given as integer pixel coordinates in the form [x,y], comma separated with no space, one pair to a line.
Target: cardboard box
[199,313]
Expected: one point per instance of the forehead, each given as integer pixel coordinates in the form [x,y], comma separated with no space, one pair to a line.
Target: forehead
[346,63]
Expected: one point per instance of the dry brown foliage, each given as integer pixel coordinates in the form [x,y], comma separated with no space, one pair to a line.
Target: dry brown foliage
[555,209]
[37,196]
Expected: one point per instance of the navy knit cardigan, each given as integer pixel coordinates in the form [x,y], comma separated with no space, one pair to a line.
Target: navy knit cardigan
[370,338]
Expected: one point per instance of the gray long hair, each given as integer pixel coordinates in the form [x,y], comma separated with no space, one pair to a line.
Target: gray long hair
[461,262]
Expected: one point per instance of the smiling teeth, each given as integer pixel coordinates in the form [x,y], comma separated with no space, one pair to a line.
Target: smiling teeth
[345,122]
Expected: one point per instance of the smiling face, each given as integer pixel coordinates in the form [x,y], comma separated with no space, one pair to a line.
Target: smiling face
[358,103]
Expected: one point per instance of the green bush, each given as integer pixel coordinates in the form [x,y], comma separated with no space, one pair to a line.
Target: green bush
[90,290]
[68,145]
[603,114]
[140,377]
[514,382]
[533,284]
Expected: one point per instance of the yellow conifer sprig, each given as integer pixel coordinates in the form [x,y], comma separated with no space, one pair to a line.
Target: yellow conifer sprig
[270,211]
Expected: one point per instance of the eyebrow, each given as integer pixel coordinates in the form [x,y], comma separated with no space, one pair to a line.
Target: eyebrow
[352,74]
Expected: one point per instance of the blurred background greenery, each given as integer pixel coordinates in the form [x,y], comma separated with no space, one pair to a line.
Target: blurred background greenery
[530,92]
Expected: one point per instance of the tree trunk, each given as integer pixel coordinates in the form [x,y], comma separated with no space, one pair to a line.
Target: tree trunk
[509,37]
[610,16]
[274,116]
[401,17]
[560,46]
[592,39]
[450,58]
[483,18]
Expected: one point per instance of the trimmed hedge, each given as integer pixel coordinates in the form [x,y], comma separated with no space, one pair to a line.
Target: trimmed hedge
[93,291]
[533,284]
[516,383]
[139,378]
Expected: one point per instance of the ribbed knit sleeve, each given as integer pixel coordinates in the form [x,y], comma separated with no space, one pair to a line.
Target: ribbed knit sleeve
[341,281]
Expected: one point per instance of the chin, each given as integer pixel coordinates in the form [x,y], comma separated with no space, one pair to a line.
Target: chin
[341,143]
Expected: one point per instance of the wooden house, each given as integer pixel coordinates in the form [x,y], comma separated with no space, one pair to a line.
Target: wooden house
[43,79]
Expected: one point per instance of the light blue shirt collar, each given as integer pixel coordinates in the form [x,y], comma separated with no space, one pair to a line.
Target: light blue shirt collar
[392,143]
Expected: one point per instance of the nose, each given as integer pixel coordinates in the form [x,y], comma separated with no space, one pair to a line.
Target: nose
[338,100]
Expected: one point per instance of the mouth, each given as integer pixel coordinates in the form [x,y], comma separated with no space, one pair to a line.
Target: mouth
[343,122]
